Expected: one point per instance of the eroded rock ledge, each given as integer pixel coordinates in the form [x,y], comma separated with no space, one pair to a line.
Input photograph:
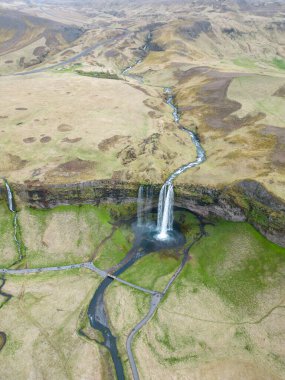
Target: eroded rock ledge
[247,200]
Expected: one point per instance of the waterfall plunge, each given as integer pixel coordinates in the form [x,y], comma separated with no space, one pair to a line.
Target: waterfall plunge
[165,211]
[9,196]
[140,206]
[12,208]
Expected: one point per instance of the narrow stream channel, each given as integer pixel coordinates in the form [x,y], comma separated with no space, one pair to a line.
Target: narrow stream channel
[12,207]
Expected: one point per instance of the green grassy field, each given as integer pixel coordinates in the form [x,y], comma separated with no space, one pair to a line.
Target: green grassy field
[236,262]
[8,246]
[225,309]
[73,234]
[256,94]
[40,322]
[279,63]
[225,300]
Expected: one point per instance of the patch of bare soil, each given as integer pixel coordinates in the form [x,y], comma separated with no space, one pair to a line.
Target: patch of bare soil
[140,89]
[146,147]
[154,115]
[280,92]
[29,140]
[111,142]
[13,162]
[278,156]
[41,52]
[213,94]
[118,175]
[151,104]
[64,128]
[112,53]
[45,139]
[28,29]
[71,141]
[193,31]
[76,165]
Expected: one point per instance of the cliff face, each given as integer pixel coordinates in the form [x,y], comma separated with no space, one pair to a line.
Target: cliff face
[243,201]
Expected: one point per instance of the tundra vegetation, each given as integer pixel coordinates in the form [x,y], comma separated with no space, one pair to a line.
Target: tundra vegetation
[85,120]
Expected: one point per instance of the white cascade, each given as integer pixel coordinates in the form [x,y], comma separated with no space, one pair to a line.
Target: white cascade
[165,211]
[166,195]
[12,208]
[10,197]
[140,206]
[148,204]
[144,205]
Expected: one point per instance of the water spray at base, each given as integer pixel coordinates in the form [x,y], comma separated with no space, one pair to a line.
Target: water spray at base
[165,211]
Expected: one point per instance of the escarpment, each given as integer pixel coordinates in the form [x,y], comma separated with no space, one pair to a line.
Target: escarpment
[246,200]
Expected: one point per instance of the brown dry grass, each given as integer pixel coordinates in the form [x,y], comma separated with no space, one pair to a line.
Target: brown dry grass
[41,326]
[95,110]
[194,336]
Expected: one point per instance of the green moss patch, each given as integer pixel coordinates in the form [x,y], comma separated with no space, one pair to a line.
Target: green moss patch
[97,74]
[245,62]
[71,234]
[236,261]
[155,270]
[279,63]
[8,248]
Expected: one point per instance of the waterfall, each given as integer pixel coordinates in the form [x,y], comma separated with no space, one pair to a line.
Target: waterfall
[9,197]
[144,205]
[165,210]
[148,204]
[166,195]
[140,206]
[11,206]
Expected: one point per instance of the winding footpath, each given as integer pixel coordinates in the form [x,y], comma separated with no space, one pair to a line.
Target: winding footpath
[88,265]
[74,58]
